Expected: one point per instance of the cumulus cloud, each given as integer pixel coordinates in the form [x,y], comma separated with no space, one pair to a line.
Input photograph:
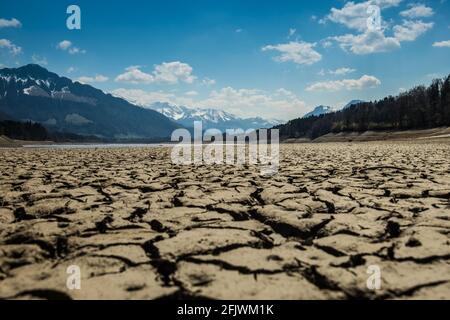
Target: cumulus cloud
[366,43]
[39,60]
[355,15]
[68,46]
[173,72]
[417,11]
[411,30]
[167,72]
[12,23]
[11,47]
[442,44]
[297,52]
[134,75]
[96,78]
[242,102]
[347,84]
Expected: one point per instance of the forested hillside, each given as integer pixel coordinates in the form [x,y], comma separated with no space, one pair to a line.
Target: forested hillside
[419,108]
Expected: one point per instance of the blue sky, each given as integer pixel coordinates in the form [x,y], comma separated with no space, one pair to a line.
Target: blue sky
[276,59]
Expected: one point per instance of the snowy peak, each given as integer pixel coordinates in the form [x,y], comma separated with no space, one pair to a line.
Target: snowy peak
[319,110]
[352,103]
[32,93]
[34,80]
[211,118]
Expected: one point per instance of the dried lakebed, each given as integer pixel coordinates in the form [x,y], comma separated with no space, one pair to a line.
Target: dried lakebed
[139,227]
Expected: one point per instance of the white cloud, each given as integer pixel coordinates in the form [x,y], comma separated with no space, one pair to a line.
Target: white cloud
[348,84]
[134,75]
[71,69]
[342,71]
[208,82]
[326,44]
[368,42]
[242,102]
[39,60]
[297,52]
[191,93]
[417,11]
[13,49]
[352,15]
[68,46]
[254,102]
[12,23]
[97,78]
[411,30]
[76,50]
[167,72]
[355,15]
[173,72]
[442,44]
[64,45]
[144,98]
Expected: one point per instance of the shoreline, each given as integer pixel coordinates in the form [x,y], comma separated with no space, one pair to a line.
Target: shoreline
[426,135]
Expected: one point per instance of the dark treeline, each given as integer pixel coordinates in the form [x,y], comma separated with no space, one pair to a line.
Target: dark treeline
[32,131]
[23,131]
[419,108]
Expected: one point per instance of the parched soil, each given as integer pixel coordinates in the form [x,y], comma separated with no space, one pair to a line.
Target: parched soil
[139,227]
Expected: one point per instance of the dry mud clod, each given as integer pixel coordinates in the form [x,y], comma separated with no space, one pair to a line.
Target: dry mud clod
[141,228]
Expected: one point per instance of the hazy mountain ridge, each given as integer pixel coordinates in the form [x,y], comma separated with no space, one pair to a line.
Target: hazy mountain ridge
[32,93]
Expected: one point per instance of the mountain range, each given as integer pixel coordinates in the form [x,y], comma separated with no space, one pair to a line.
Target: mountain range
[210,117]
[69,108]
[32,93]
[319,110]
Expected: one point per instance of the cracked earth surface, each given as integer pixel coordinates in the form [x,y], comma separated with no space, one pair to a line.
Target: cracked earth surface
[141,228]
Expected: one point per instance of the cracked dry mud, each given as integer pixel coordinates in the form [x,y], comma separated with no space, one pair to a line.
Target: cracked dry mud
[141,228]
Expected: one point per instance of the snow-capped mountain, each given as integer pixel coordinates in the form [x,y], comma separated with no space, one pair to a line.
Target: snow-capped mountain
[180,113]
[32,93]
[211,118]
[319,110]
[352,103]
